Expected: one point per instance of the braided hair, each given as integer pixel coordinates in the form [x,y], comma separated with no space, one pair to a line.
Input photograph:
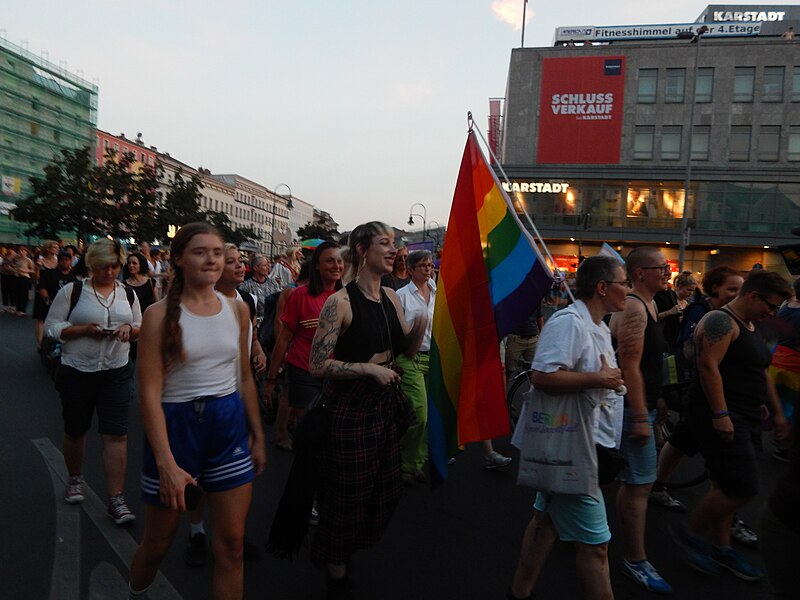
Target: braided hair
[172,335]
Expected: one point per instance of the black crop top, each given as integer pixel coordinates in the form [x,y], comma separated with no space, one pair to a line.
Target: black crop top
[367,334]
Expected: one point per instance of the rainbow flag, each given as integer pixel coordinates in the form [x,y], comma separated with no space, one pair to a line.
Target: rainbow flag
[491,279]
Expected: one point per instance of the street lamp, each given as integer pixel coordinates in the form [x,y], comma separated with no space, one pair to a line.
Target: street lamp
[289,206]
[436,238]
[412,214]
[695,39]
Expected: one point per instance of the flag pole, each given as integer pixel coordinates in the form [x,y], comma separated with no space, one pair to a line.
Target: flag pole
[524,8]
[524,209]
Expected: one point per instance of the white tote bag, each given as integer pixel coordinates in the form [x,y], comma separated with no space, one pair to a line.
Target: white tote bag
[555,433]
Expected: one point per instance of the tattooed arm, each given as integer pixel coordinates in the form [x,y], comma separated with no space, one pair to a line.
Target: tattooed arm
[712,338]
[335,313]
[628,327]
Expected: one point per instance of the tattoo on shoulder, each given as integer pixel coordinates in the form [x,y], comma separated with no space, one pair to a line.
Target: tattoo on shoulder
[326,336]
[716,326]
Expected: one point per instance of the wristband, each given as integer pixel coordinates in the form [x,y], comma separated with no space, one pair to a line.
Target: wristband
[720,414]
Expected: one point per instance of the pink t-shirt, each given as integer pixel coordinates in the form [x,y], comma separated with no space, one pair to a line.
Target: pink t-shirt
[301,316]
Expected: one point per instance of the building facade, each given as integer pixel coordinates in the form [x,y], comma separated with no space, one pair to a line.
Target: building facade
[44,109]
[302,214]
[120,144]
[600,141]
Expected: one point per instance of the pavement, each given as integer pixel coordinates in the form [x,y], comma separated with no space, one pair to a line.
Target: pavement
[459,542]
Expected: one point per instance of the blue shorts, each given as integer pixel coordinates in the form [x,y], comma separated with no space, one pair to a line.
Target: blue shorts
[209,440]
[579,519]
[641,459]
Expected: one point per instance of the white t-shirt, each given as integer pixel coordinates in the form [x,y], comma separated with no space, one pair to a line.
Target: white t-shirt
[570,340]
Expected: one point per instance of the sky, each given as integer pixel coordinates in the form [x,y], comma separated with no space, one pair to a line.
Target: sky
[360,107]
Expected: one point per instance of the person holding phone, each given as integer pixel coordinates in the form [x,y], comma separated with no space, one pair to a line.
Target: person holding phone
[199,411]
[95,373]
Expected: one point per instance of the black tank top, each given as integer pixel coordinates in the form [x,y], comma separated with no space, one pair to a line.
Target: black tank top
[743,371]
[652,364]
[367,334]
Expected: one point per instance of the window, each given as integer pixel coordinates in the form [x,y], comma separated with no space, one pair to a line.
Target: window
[56,136]
[740,143]
[794,143]
[773,84]
[648,81]
[704,85]
[116,147]
[643,142]
[105,144]
[671,142]
[676,80]
[34,128]
[700,142]
[769,142]
[796,85]
[743,79]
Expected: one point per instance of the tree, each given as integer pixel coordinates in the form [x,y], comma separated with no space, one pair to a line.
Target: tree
[64,199]
[235,236]
[311,231]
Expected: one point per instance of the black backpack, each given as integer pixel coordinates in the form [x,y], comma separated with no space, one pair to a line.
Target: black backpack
[266,332]
[50,350]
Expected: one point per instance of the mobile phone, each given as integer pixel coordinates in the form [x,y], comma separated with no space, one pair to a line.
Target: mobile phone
[192,494]
[109,329]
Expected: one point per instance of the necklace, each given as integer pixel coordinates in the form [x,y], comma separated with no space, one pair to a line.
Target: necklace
[748,325]
[368,295]
[103,304]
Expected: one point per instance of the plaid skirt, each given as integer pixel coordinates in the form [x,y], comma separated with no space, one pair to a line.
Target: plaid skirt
[360,483]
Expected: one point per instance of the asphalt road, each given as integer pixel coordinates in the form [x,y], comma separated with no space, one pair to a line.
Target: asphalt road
[459,542]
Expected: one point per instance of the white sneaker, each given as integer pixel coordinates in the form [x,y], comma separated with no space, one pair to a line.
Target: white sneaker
[73,493]
[663,498]
[495,460]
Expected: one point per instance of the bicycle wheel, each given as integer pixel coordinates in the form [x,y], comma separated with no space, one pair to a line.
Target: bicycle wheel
[516,396]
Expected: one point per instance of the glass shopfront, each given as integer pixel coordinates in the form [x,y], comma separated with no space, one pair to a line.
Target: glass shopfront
[760,209]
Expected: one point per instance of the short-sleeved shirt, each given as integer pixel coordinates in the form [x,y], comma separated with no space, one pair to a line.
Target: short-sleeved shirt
[301,316]
[566,342]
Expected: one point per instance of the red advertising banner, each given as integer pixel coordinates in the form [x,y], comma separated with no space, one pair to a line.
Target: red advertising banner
[580,113]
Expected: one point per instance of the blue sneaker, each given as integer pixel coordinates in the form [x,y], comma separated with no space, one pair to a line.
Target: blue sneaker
[695,551]
[735,563]
[646,576]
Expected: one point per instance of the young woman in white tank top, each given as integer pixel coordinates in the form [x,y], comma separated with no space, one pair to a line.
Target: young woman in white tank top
[191,346]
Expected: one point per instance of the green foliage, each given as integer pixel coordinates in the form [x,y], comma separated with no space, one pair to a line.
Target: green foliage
[112,199]
[311,231]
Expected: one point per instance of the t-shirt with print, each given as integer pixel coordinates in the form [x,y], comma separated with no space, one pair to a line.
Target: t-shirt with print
[566,343]
[301,316]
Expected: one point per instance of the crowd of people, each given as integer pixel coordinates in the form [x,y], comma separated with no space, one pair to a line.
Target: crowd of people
[345,331]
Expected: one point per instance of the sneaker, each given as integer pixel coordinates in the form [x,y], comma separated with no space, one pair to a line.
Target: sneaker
[646,576]
[408,479]
[73,494]
[695,551]
[741,533]
[495,460]
[196,552]
[664,499]
[735,563]
[313,520]
[118,510]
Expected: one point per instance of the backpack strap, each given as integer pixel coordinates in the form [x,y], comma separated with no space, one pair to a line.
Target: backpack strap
[129,294]
[77,287]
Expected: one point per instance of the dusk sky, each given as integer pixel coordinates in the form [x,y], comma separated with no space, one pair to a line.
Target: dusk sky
[360,107]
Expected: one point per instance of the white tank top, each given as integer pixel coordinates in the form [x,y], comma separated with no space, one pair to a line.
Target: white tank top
[211,346]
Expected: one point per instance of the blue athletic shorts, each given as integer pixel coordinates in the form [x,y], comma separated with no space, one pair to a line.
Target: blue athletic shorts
[579,519]
[642,460]
[208,438]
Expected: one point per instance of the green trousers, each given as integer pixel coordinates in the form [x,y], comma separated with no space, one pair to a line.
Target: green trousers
[414,383]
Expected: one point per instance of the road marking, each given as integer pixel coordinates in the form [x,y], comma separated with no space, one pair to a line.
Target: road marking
[66,565]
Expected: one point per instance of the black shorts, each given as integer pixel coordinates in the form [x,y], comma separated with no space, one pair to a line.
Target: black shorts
[682,438]
[303,388]
[731,465]
[108,392]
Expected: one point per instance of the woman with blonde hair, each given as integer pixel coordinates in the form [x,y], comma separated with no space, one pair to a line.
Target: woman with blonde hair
[96,320]
[202,436]
[287,267]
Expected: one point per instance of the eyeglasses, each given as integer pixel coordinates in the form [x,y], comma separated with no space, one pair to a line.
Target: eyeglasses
[666,269]
[626,283]
[772,307]
[424,266]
